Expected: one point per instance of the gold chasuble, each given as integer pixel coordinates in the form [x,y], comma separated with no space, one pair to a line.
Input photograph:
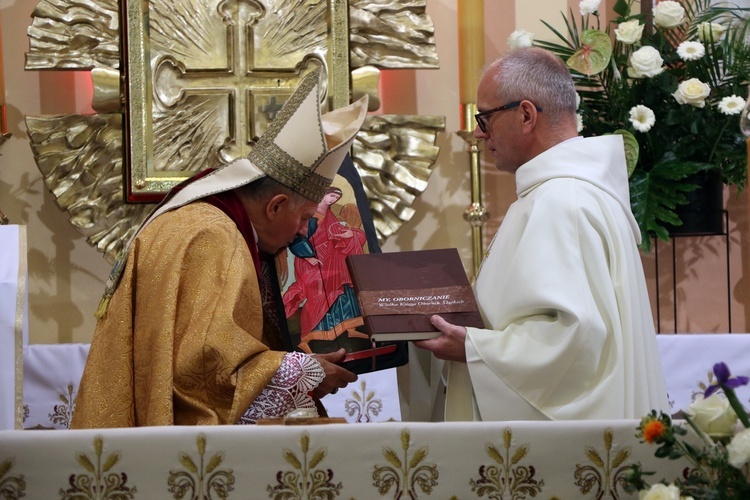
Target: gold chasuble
[181,337]
[188,348]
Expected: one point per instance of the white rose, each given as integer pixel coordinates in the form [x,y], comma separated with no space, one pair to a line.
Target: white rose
[710,31]
[713,415]
[668,14]
[693,92]
[660,491]
[520,38]
[739,449]
[629,32]
[645,62]
[589,6]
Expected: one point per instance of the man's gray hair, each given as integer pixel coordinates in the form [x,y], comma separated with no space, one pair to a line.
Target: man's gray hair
[539,76]
[267,187]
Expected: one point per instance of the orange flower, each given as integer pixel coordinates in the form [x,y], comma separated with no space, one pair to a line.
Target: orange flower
[653,429]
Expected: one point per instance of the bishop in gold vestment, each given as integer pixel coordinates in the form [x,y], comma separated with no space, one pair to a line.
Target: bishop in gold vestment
[182,337]
[188,347]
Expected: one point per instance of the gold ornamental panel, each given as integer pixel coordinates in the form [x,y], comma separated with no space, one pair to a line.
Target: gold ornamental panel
[181,85]
[203,79]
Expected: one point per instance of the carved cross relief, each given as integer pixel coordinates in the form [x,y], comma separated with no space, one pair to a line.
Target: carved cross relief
[230,87]
[192,83]
[216,73]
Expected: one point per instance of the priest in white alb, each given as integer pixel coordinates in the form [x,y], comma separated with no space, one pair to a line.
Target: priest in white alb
[569,331]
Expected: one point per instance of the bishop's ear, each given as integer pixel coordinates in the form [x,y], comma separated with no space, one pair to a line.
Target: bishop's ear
[275,205]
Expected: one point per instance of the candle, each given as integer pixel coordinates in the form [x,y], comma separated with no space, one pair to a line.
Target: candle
[470,47]
[3,124]
[2,70]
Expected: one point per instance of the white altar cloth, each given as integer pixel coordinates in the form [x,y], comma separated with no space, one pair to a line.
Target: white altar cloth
[14,322]
[688,360]
[52,373]
[567,460]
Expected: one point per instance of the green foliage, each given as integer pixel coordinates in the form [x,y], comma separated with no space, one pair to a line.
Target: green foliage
[685,139]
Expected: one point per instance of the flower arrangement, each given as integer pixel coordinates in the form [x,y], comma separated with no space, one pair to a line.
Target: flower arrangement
[719,469]
[672,85]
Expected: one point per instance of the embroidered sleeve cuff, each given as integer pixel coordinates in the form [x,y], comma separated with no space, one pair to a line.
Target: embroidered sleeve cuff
[288,390]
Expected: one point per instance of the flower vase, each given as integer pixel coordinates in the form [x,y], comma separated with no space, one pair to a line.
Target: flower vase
[703,215]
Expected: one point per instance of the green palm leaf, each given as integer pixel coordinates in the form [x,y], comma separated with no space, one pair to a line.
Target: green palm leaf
[654,196]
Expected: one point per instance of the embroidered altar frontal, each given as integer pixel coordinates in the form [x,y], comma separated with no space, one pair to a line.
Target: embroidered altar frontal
[567,460]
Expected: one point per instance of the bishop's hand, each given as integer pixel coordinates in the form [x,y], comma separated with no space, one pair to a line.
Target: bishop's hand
[336,377]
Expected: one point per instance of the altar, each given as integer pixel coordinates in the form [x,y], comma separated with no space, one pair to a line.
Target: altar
[563,460]
[374,455]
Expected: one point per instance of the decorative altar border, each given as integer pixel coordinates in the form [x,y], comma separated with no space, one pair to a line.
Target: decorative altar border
[575,459]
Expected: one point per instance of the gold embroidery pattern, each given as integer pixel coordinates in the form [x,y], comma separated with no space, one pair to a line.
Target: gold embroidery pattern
[507,477]
[405,474]
[11,486]
[201,480]
[363,405]
[605,475]
[99,483]
[63,413]
[305,481]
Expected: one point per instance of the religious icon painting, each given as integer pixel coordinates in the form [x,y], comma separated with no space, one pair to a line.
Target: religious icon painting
[322,311]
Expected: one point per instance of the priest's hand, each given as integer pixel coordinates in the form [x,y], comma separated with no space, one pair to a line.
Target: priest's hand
[336,377]
[450,345]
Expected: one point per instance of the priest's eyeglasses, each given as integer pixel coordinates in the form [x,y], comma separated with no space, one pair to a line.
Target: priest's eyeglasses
[482,117]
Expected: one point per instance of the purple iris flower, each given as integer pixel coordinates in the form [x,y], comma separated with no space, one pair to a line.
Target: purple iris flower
[724,379]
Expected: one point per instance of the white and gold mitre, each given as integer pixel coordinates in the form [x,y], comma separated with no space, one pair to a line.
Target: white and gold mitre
[303,149]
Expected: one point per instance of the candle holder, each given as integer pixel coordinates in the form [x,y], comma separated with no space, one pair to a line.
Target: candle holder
[475,214]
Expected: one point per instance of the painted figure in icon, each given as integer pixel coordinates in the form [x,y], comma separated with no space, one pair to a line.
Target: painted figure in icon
[322,290]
